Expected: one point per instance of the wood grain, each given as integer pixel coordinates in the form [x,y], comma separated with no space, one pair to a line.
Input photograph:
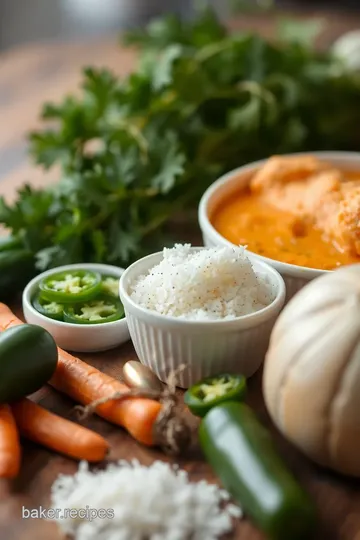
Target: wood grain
[29,76]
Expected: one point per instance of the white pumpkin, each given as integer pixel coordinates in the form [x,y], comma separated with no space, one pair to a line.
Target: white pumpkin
[311,379]
[347,49]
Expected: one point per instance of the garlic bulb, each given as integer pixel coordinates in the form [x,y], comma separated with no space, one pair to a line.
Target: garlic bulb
[311,379]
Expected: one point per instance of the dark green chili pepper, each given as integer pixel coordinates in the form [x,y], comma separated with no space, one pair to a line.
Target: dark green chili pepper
[241,452]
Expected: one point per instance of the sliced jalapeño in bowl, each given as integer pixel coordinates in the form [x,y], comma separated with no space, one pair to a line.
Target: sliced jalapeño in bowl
[48,308]
[209,392]
[71,286]
[102,309]
[79,296]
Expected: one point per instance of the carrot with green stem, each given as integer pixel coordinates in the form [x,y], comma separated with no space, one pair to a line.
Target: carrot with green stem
[10,452]
[46,428]
[149,421]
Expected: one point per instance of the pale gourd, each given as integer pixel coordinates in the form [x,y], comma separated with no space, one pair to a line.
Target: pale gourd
[311,379]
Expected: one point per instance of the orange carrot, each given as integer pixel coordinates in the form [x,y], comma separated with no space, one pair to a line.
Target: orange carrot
[10,453]
[46,428]
[85,384]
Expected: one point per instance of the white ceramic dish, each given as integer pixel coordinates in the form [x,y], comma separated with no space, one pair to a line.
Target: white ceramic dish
[206,347]
[295,276]
[77,337]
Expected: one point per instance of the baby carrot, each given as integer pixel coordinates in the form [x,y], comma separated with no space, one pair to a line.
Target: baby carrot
[85,384]
[46,428]
[10,453]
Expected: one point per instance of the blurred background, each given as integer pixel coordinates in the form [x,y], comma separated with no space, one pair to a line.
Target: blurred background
[25,21]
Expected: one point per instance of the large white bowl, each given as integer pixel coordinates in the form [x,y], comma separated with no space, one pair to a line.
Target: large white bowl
[206,347]
[295,276]
[77,337]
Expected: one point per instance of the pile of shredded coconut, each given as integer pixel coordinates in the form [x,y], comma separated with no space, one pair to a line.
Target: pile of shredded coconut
[153,503]
[210,284]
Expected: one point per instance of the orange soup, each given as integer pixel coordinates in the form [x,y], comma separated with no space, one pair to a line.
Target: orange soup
[277,230]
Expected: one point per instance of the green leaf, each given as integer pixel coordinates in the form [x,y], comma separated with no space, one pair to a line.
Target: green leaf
[51,111]
[31,208]
[137,93]
[48,257]
[191,83]
[171,165]
[285,89]
[162,76]
[99,84]
[122,167]
[48,148]
[9,216]
[69,252]
[98,241]
[256,60]
[122,243]
[207,28]
[248,117]
[294,134]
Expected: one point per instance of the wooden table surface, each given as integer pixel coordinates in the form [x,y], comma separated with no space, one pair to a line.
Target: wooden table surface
[29,76]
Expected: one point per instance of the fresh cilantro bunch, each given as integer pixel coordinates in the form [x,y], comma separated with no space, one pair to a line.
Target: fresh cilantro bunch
[135,152]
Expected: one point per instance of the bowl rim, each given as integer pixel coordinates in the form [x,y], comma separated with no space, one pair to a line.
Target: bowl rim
[242,322]
[26,295]
[207,228]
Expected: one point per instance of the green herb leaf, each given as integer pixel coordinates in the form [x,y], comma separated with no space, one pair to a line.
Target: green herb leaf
[248,116]
[48,148]
[171,164]
[163,73]
[98,241]
[45,257]
[122,243]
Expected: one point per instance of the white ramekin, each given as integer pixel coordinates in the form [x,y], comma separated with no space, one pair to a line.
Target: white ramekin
[295,277]
[77,337]
[207,347]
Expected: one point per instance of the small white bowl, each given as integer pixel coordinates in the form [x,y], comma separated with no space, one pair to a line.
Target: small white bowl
[77,337]
[295,276]
[206,347]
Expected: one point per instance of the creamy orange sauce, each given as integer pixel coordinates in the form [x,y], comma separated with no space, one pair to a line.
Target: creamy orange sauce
[247,219]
